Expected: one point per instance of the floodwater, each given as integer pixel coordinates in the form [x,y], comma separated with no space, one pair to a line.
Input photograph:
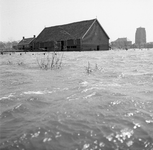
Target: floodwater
[99,100]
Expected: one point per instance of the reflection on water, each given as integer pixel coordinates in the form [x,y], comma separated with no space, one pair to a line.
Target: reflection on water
[70,109]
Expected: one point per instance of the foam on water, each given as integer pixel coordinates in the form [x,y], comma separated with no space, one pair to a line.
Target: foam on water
[37,92]
[70,109]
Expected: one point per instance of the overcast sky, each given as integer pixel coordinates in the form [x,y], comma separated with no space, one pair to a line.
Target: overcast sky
[119,18]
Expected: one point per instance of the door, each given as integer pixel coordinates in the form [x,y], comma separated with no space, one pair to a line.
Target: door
[98,47]
[62,45]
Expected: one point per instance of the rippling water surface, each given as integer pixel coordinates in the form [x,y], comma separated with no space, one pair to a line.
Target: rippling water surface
[108,108]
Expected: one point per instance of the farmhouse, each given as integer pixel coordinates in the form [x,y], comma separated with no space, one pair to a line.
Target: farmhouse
[121,43]
[77,36]
[26,43]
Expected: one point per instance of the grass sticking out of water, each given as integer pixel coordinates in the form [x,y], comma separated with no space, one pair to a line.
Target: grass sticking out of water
[89,69]
[53,61]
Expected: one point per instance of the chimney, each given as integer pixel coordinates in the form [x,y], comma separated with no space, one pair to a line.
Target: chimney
[23,37]
[34,36]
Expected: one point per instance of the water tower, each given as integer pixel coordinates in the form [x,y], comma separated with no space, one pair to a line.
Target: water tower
[140,37]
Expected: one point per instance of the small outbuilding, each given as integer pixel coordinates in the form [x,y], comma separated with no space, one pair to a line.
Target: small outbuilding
[77,36]
[26,43]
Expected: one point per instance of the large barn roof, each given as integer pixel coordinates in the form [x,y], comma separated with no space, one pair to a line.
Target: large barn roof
[74,30]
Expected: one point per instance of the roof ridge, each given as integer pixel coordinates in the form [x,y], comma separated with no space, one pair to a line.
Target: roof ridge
[70,23]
